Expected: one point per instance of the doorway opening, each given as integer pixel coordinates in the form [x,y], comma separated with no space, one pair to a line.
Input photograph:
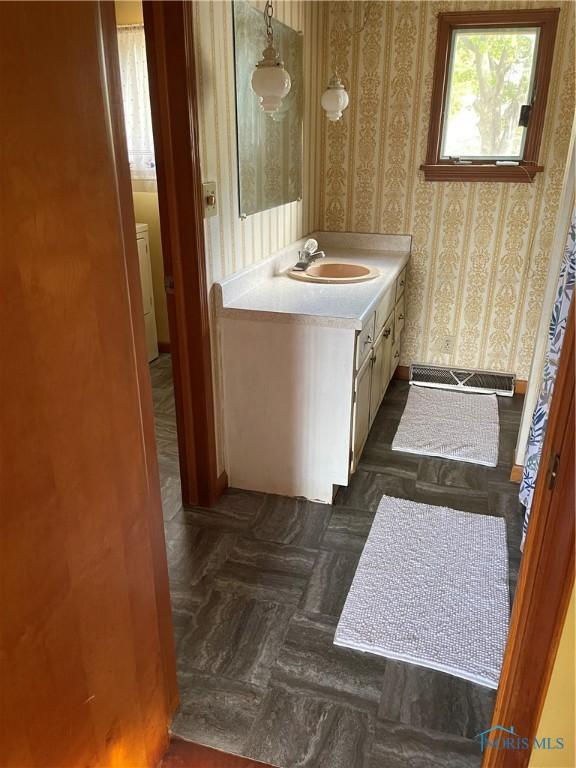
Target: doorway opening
[273,572]
[141,156]
[144,188]
[174,280]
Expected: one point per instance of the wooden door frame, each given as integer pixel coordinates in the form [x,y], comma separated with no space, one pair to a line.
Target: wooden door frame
[168,28]
[546,576]
[155,520]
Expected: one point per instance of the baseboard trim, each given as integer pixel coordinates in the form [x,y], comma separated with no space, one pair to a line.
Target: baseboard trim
[163,347]
[516,473]
[221,484]
[403,374]
[182,753]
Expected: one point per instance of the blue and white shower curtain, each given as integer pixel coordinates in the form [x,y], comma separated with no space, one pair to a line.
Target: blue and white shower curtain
[555,340]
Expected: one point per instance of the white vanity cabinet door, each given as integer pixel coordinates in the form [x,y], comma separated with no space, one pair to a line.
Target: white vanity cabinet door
[370,385]
[388,334]
[395,359]
[399,315]
[361,416]
[377,385]
[381,366]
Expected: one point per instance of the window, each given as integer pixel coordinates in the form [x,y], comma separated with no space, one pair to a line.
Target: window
[136,100]
[491,79]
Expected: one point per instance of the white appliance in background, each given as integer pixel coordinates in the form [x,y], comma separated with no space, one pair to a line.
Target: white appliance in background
[147,290]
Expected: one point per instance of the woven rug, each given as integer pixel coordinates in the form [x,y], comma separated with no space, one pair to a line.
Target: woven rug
[452,425]
[431,588]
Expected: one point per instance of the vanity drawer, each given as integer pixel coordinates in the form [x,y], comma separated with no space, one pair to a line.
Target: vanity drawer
[365,340]
[384,308]
[400,282]
[399,315]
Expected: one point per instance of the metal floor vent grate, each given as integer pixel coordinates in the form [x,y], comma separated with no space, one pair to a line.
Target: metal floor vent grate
[462,379]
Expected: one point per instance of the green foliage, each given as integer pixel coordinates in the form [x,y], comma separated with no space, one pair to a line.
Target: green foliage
[491,76]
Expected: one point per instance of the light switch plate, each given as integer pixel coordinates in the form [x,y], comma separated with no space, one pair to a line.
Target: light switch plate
[209,197]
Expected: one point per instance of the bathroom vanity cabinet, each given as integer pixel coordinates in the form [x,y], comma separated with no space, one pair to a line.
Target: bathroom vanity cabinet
[377,356]
[304,367]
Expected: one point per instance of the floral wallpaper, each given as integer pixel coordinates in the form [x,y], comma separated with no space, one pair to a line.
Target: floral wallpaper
[480,250]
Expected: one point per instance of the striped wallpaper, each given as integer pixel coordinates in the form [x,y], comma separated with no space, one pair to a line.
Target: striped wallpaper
[232,243]
[480,250]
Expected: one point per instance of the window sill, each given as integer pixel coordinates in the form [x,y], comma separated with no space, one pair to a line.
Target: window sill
[478,172]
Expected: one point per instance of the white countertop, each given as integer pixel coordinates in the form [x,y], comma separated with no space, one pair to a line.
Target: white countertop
[267,292]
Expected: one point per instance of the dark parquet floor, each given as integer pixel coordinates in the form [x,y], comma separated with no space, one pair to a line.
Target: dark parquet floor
[257,586]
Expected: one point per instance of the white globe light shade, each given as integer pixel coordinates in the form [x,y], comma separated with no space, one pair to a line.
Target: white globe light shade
[334,99]
[270,81]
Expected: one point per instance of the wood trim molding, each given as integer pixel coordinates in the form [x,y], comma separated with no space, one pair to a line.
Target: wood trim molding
[222,483]
[171,66]
[446,171]
[183,754]
[402,373]
[546,575]
[436,169]
[516,473]
[155,520]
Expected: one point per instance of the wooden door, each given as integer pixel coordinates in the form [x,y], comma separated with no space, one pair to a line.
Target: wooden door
[546,577]
[86,644]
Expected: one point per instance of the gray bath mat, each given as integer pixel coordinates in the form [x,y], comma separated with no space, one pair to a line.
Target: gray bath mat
[431,588]
[452,425]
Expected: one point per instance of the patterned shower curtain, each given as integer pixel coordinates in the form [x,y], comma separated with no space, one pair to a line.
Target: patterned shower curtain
[555,339]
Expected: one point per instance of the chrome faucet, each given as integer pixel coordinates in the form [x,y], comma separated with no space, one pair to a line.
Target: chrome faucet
[308,254]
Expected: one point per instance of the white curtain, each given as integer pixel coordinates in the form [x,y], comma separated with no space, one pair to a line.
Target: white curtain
[136,98]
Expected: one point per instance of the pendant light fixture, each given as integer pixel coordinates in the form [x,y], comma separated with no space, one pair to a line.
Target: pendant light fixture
[335,98]
[270,81]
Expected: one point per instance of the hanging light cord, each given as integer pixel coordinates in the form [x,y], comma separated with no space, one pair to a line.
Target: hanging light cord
[350,31]
[268,13]
[367,12]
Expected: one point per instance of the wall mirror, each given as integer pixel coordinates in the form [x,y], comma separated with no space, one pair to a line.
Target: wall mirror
[269,147]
